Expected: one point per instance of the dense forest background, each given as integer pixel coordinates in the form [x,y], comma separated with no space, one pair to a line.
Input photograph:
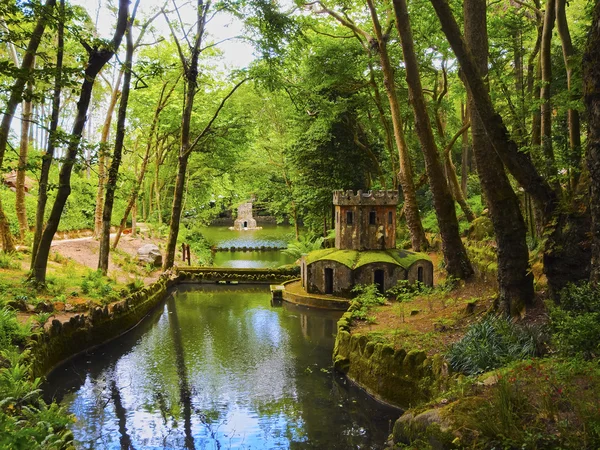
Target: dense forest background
[481,113]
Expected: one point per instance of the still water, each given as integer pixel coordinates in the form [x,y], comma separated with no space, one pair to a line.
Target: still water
[275,236]
[218,368]
[269,236]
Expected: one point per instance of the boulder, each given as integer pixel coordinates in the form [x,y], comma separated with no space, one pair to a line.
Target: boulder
[149,254]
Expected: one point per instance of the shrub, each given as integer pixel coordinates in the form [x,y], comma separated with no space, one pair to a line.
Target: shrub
[575,322]
[8,262]
[11,331]
[494,342]
[368,296]
[304,245]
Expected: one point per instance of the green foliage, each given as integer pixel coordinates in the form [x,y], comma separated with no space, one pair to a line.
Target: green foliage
[367,297]
[8,261]
[533,404]
[26,421]
[494,342]
[12,332]
[575,321]
[199,245]
[303,246]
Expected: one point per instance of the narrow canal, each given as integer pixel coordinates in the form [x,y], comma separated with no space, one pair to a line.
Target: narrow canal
[272,236]
[219,368]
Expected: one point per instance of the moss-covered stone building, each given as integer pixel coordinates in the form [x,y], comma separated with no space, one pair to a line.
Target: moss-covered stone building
[365,248]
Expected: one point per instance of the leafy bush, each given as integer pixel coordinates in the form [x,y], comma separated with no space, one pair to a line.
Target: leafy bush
[575,323]
[304,245]
[494,342]
[26,421]
[11,331]
[8,262]
[368,296]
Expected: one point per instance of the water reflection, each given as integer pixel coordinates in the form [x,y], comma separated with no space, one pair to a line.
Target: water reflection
[216,369]
[254,259]
[269,236]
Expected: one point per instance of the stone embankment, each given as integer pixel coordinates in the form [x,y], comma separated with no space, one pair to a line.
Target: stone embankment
[61,341]
[401,377]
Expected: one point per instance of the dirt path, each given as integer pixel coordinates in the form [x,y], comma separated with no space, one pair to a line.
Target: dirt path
[85,251]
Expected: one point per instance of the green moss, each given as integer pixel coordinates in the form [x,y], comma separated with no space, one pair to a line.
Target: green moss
[375,256]
[354,259]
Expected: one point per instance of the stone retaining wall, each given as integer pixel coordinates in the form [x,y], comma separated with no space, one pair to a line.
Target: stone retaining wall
[63,340]
[401,377]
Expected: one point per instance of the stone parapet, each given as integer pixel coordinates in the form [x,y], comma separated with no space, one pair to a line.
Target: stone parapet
[371,198]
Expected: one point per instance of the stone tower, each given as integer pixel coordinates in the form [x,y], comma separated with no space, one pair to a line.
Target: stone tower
[365,221]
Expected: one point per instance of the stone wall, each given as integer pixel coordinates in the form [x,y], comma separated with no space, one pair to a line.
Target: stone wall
[427,272]
[361,234]
[392,274]
[342,278]
[62,341]
[401,377]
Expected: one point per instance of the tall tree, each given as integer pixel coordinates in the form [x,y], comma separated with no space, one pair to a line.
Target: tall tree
[569,54]
[113,171]
[551,170]
[379,43]
[190,77]
[591,78]
[455,255]
[52,135]
[16,95]
[99,53]
[566,255]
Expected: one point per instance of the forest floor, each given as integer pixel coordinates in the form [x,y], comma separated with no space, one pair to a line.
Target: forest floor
[438,317]
[73,284]
[122,264]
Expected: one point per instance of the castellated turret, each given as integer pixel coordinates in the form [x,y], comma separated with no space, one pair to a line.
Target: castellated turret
[365,220]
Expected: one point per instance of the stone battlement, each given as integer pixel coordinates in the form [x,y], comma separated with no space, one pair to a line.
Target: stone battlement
[371,198]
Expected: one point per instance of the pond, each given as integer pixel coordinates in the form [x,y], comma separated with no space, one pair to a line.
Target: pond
[270,236]
[218,368]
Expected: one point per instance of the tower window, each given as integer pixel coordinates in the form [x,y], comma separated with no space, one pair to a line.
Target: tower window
[372,218]
[390,218]
[349,218]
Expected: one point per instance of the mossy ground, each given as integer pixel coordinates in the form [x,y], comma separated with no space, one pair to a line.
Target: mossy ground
[71,288]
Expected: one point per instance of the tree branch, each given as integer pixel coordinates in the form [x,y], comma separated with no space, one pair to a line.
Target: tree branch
[214,117]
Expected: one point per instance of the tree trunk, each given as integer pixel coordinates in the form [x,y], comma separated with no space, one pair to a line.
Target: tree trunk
[591,83]
[573,115]
[545,94]
[16,92]
[455,188]
[411,209]
[389,135]
[47,157]
[22,165]
[515,281]
[113,171]
[455,255]
[464,164]
[97,58]
[191,80]
[103,153]
[162,102]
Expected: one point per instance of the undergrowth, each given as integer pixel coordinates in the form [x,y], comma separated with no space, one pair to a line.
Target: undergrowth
[494,342]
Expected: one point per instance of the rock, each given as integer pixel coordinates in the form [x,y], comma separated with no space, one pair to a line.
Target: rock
[150,254]
[18,304]
[429,426]
[69,307]
[59,306]
[481,228]
[44,307]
